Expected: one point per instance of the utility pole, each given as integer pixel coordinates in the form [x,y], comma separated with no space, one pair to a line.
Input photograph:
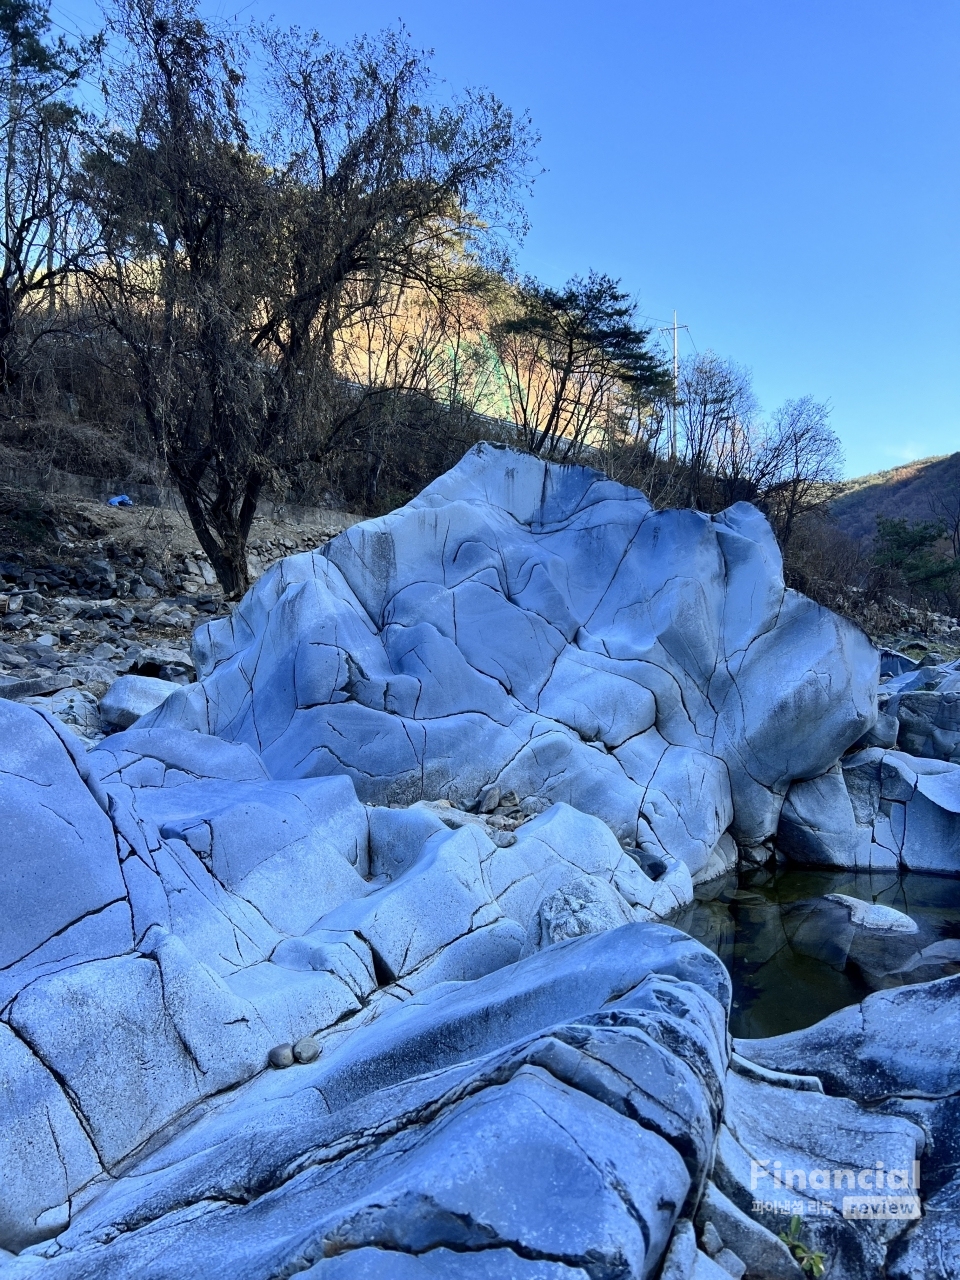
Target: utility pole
[674,329]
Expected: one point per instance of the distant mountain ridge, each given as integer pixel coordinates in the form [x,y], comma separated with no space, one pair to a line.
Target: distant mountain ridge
[921,490]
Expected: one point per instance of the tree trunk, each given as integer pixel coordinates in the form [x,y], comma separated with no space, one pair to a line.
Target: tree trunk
[223,532]
[8,367]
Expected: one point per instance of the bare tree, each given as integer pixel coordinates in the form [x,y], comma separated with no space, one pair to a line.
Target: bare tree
[414,345]
[240,242]
[799,462]
[788,466]
[717,415]
[41,230]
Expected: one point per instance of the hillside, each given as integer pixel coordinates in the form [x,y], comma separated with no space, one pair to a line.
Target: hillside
[928,489]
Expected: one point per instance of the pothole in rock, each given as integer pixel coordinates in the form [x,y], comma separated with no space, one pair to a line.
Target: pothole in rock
[797,948]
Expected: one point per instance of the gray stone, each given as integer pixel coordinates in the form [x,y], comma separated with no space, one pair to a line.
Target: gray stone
[262,839]
[281,1055]
[899,1042]
[440,1264]
[144,757]
[884,810]
[929,723]
[710,1238]
[16,690]
[873,917]
[762,1252]
[839,929]
[681,1257]
[783,1147]
[428,656]
[282,858]
[45,1152]
[730,1263]
[59,861]
[894,663]
[489,799]
[585,905]
[931,1247]
[306,1049]
[883,734]
[397,836]
[504,1082]
[130,697]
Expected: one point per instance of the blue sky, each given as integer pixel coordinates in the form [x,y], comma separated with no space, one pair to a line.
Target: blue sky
[784,173]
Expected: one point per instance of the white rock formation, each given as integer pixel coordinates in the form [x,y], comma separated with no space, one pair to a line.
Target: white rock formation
[878,810]
[545,630]
[520,1072]
[131,697]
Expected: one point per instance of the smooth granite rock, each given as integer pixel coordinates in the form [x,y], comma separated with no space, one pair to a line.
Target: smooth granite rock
[588,1079]
[345,960]
[900,1042]
[923,706]
[841,931]
[130,697]
[881,810]
[544,630]
[783,1151]
[896,1056]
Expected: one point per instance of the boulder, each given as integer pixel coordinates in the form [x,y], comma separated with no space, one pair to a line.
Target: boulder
[896,1055]
[784,1152]
[900,1042]
[586,905]
[762,1252]
[59,859]
[932,1247]
[344,960]
[543,630]
[924,705]
[130,697]
[839,930]
[880,810]
[527,1112]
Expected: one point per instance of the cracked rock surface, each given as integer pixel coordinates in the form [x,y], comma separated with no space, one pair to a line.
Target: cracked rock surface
[890,1078]
[894,805]
[543,629]
[427,802]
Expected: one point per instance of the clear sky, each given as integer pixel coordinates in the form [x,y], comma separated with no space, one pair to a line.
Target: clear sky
[784,173]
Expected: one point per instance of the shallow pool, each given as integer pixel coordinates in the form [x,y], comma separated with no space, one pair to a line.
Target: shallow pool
[777,937]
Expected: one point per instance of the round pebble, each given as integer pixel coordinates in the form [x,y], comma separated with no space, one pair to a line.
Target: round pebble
[306,1050]
[281,1055]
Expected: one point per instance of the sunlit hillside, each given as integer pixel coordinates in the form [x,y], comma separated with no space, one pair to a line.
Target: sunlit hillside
[928,489]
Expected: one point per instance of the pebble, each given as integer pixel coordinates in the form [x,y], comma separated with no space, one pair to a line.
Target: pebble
[306,1050]
[281,1055]
[710,1240]
[489,799]
[730,1263]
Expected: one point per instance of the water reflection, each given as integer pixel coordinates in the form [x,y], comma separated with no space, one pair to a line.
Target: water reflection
[793,957]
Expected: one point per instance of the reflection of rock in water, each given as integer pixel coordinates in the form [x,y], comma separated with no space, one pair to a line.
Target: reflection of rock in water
[801,943]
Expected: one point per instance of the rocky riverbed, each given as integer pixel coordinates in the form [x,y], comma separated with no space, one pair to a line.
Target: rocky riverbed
[114,592]
[351,956]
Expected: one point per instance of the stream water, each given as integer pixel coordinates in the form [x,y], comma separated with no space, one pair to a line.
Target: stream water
[786,955]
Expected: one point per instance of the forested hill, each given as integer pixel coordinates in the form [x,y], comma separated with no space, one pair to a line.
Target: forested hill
[928,489]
